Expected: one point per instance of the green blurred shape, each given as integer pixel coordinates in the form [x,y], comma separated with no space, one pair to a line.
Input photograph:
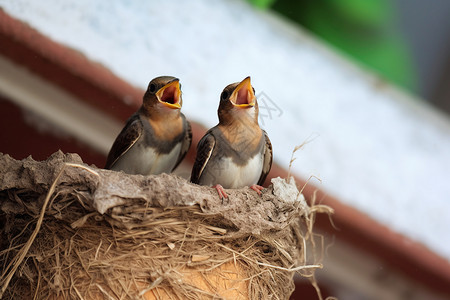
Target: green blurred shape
[261,3]
[364,29]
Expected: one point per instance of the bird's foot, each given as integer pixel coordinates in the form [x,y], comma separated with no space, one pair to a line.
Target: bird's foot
[221,192]
[257,188]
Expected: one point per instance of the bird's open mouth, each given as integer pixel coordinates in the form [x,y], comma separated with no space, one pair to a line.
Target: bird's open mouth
[243,95]
[170,94]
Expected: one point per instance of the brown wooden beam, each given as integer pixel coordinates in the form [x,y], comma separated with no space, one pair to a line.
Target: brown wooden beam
[67,68]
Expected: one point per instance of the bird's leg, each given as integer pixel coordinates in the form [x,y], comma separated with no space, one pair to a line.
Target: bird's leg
[221,192]
[257,188]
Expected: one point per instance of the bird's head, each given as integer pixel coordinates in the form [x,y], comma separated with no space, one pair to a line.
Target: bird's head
[238,100]
[163,94]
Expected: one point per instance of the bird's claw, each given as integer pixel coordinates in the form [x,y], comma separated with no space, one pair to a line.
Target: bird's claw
[257,188]
[221,192]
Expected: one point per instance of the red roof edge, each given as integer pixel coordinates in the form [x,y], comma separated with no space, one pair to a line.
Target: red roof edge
[100,88]
[67,68]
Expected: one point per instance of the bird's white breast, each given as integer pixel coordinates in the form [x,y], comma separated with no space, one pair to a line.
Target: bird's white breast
[230,175]
[145,160]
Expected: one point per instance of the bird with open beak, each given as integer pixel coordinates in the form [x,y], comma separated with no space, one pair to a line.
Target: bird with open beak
[156,138]
[236,152]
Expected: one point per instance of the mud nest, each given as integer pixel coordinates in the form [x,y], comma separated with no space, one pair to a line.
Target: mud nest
[72,231]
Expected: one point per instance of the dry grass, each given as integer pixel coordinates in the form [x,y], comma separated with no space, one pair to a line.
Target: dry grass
[56,244]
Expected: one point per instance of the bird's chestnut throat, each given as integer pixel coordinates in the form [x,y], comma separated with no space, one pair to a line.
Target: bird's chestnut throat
[161,112]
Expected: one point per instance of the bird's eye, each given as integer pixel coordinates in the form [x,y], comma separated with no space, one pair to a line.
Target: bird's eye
[152,88]
[224,95]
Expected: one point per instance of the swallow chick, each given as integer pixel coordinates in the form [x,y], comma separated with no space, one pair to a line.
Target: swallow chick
[156,138]
[236,152]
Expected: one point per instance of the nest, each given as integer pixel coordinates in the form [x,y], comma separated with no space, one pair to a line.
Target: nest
[72,231]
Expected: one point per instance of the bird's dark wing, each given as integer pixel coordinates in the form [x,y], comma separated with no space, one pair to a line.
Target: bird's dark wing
[125,140]
[204,151]
[267,163]
[186,142]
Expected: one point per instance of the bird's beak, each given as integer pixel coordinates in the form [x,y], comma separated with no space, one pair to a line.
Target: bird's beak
[243,95]
[170,94]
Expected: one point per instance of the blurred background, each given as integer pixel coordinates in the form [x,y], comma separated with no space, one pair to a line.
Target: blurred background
[364,84]
[406,42]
